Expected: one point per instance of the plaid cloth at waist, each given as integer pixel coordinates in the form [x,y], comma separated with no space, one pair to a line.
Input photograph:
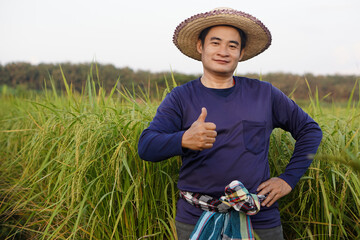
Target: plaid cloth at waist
[236,196]
[217,221]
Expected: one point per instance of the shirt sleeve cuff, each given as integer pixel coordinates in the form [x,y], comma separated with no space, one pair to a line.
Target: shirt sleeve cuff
[178,139]
[289,180]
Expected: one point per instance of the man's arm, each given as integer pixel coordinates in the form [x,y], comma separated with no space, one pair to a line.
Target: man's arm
[162,139]
[165,138]
[307,133]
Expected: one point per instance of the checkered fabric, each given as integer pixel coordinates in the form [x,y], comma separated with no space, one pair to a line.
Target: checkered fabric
[236,196]
[219,221]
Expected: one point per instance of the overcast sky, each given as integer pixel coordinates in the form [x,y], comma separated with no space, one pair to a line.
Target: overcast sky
[309,36]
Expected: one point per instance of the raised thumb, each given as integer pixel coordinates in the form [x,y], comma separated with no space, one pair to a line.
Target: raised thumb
[203,115]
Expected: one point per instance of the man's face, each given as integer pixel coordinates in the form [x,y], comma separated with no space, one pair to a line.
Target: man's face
[220,53]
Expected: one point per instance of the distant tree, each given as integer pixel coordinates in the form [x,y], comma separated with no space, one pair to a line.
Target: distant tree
[33,76]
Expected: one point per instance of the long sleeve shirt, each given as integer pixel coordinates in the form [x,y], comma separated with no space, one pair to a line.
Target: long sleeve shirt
[244,120]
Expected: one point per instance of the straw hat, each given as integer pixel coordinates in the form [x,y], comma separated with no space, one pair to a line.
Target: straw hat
[186,35]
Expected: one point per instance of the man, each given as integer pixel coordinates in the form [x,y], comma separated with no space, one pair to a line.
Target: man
[220,124]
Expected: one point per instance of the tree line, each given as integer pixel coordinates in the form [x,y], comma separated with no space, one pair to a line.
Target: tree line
[28,76]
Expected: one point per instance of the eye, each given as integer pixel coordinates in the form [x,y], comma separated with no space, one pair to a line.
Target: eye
[233,46]
[215,43]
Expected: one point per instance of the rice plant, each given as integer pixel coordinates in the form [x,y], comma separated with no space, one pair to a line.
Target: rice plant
[70,169]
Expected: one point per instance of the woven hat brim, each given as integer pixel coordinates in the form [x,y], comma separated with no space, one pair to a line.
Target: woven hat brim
[187,32]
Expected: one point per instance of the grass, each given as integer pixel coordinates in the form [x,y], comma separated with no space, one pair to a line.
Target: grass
[70,169]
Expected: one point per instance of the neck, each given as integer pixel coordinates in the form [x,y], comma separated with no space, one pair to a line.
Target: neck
[217,82]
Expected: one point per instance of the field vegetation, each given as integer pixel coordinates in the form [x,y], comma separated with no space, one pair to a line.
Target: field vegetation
[70,168]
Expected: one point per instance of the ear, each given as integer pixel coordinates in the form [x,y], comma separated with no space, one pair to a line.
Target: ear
[241,54]
[199,46]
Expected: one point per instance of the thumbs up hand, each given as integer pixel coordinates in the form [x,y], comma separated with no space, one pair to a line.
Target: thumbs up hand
[201,135]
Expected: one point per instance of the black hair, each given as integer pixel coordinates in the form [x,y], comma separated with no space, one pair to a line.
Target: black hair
[205,32]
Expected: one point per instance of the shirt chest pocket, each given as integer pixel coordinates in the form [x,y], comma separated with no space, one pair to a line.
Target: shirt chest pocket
[254,136]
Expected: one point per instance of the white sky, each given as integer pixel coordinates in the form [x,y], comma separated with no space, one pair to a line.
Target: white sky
[309,36]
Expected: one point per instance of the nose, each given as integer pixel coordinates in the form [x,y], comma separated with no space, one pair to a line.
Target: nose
[223,51]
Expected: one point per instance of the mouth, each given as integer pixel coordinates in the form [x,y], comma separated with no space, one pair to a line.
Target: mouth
[221,61]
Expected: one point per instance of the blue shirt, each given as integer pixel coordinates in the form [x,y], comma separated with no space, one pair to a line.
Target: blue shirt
[244,120]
